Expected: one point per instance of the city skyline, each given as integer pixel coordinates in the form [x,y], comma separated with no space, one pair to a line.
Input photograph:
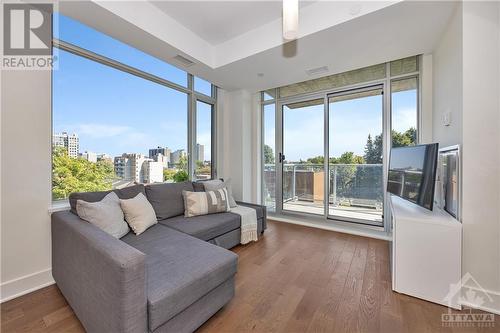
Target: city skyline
[58,141]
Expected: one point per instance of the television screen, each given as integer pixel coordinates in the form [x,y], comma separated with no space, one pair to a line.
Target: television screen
[412,173]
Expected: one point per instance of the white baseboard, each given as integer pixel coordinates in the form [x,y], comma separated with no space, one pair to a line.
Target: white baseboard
[348,229]
[25,284]
[487,305]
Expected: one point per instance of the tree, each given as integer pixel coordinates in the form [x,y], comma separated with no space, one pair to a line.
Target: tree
[316,160]
[370,151]
[168,174]
[180,176]
[268,155]
[407,138]
[345,172]
[78,175]
[349,158]
[374,149]
[182,164]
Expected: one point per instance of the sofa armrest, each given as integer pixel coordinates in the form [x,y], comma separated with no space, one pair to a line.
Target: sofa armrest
[102,278]
[264,212]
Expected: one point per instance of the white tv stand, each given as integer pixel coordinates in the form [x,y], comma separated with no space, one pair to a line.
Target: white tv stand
[426,252]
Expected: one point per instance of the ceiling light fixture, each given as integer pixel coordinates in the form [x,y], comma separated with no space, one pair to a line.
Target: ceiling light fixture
[290,19]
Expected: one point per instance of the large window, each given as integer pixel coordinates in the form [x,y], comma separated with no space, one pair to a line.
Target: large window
[333,139]
[202,86]
[203,148]
[76,33]
[404,102]
[269,170]
[113,127]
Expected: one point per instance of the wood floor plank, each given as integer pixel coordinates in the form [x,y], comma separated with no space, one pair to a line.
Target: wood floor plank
[294,279]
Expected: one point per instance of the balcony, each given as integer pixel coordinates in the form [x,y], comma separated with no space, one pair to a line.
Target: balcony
[356,191]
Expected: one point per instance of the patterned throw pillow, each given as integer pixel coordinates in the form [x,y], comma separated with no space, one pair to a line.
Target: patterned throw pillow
[215,184]
[203,203]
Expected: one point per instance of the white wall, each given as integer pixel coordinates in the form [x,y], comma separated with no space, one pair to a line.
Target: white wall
[426,98]
[25,176]
[466,83]
[481,142]
[237,158]
[447,85]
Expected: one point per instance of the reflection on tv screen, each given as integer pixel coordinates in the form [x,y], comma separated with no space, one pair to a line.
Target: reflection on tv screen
[412,172]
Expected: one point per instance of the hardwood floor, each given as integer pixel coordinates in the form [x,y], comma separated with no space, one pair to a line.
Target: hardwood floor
[295,279]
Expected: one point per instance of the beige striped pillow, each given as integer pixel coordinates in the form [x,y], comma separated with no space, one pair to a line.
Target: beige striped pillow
[203,203]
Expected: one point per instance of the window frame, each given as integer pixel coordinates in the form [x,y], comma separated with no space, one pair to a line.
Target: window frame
[387,127]
[213,154]
[192,96]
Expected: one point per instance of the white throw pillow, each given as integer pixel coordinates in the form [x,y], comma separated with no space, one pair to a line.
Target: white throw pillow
[216,184]
[139,213]
[105,214]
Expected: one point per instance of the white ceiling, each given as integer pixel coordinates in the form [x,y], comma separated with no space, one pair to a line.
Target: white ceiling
[219,21]
[229,48]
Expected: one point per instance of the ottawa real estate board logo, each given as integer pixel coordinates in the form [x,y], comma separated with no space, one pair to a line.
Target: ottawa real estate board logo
[27,36]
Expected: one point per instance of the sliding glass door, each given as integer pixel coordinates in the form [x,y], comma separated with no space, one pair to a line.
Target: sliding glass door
[326,142]
[346,126]
[355,159]
[302,157]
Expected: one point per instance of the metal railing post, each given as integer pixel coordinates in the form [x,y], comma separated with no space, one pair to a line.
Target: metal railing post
[334,185]
[293,182]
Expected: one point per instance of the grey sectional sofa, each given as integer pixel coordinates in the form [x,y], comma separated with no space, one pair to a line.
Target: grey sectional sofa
[171,278]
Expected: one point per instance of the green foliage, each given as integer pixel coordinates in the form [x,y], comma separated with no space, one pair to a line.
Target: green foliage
[78,175]
[345,158]
[268,155]
[180,176]
[349,158]
[374,149]
[205,170]
[408,138]
[168,174]
[316,160]
[183,162]
[371,154]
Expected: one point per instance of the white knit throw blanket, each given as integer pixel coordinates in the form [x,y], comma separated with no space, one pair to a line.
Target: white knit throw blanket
[248,223]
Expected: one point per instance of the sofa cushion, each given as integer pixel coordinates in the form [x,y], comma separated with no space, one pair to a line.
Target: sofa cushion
[198,186]
[204,227]
[260,210]
[216,184]
[139,213]
[122,193]
[180,270]
[105,214]
[166,198]
[204,203]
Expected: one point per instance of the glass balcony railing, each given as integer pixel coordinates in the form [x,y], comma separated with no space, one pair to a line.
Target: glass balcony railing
[355,190]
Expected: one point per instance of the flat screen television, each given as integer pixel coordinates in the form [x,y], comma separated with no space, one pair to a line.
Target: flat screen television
[412,173]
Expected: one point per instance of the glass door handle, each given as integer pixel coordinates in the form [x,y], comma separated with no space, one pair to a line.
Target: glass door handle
[281,158]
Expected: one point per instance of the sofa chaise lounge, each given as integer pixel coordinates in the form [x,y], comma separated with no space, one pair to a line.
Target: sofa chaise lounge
[171,278]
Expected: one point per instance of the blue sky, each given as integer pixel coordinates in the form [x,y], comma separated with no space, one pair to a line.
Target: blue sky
[114,112]
[350,123]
